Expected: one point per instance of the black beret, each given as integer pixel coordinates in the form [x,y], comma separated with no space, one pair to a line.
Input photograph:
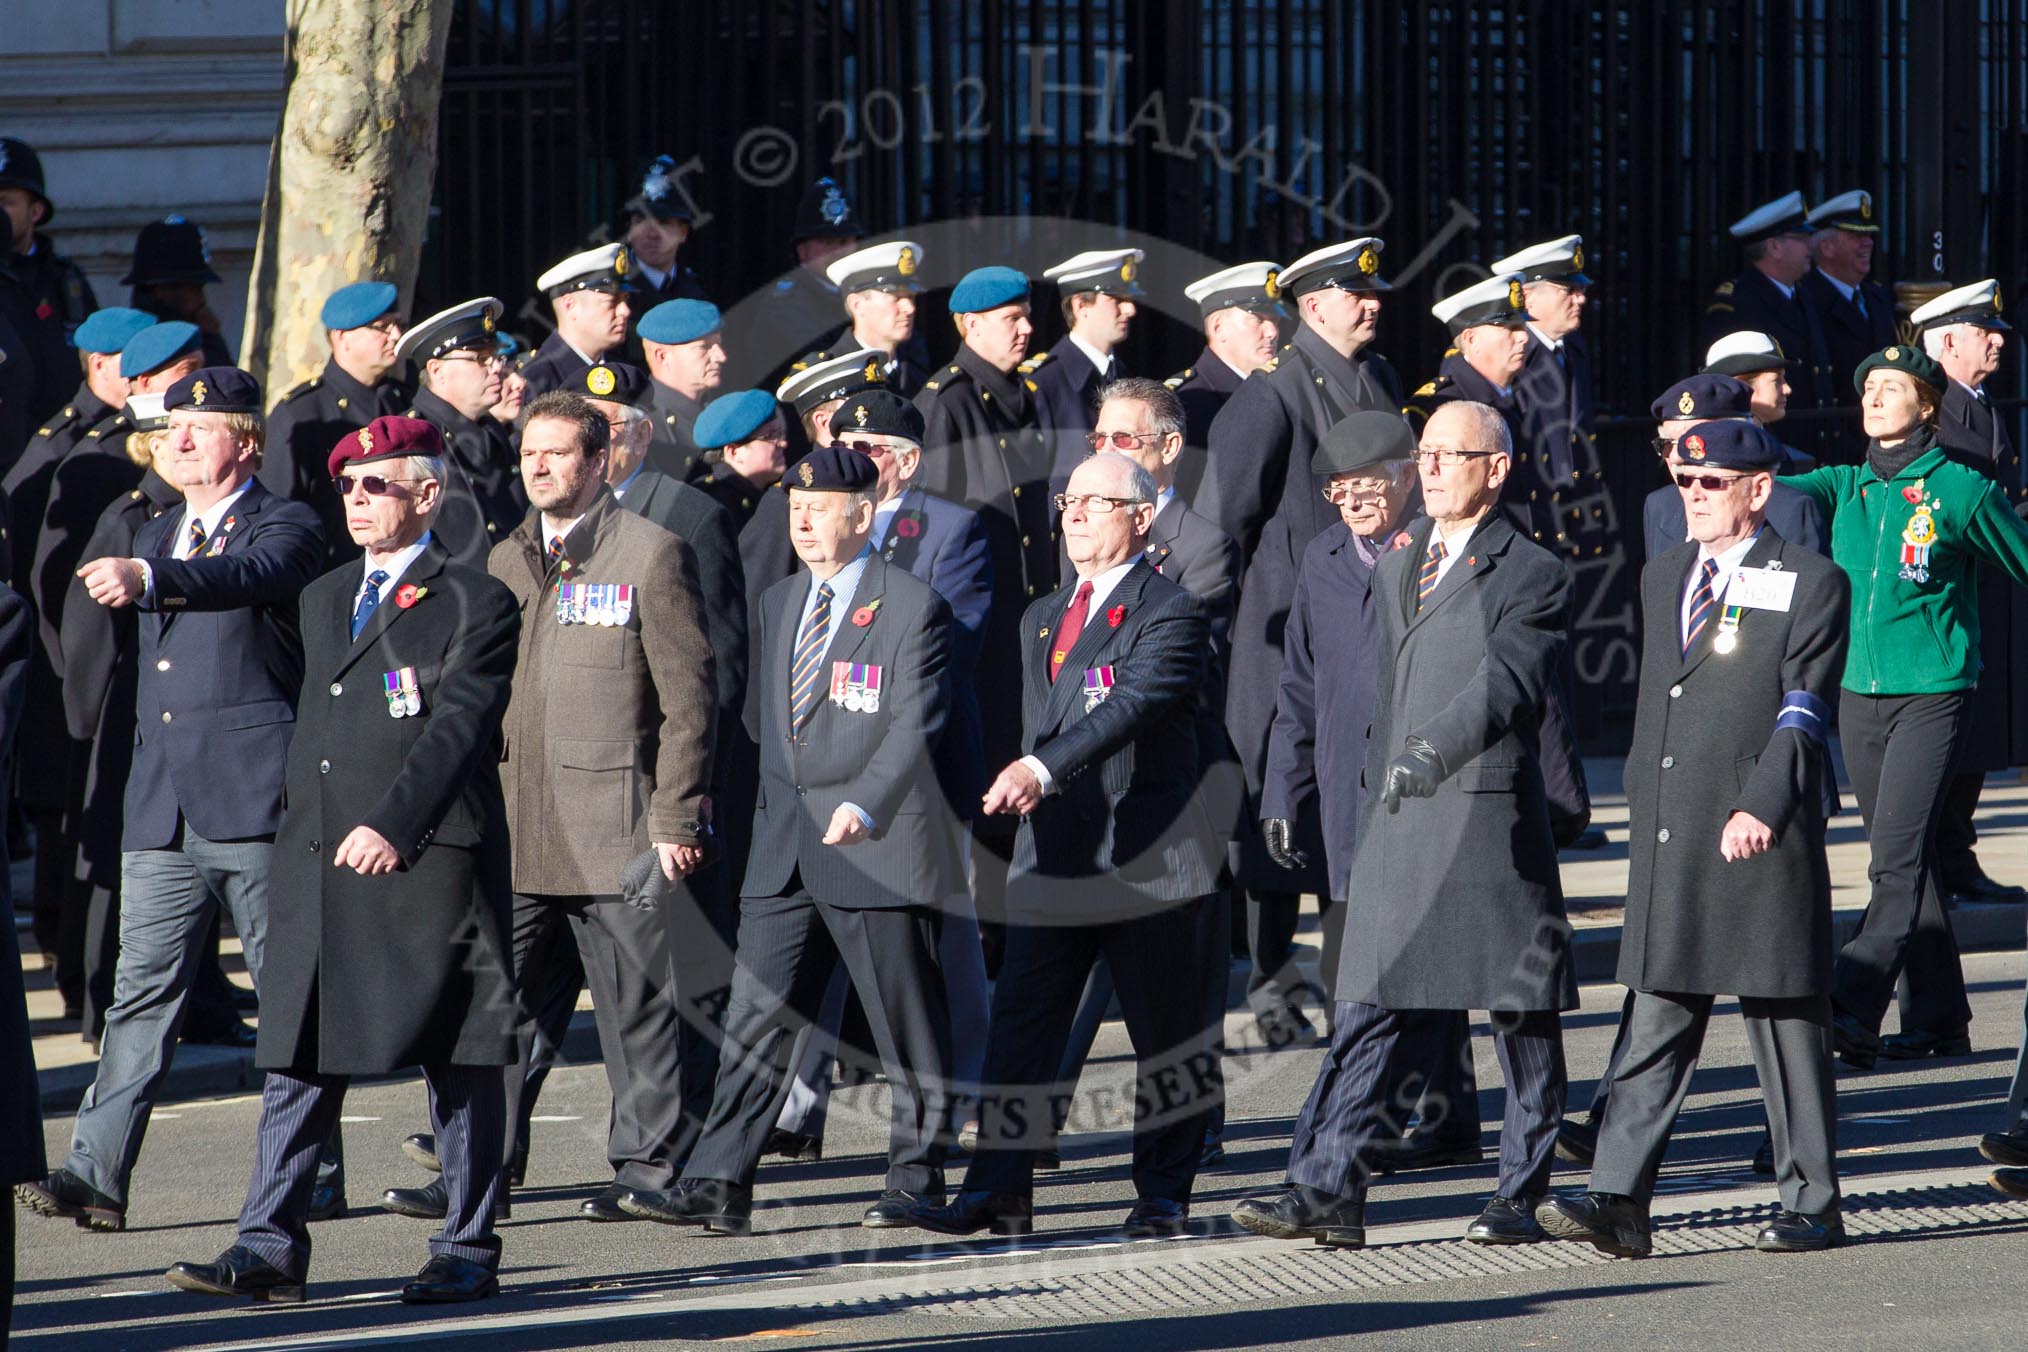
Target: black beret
[617,381]
[881,412]
[1728,443]
[216,389]
[1709,395]
[833,469]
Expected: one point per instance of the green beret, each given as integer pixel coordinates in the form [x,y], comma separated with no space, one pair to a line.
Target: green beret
[1905,358]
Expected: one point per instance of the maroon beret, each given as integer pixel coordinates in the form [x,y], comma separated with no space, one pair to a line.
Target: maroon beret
[383,439]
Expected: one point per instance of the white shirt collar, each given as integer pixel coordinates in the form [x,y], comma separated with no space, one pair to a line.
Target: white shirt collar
[1551,343]
[209,518]
[1843,290]
[620,489]
[394,565]
[582,355]
[558,533]
[655,276]
[1787,291]
[1454,547]
[1164,498]
[1103,362]
[1102,586]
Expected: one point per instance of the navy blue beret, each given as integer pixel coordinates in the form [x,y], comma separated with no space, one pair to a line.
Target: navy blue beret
[619,381]
[1703,396]
[1730,443]
[732,418]
[988,289]
[357,305]
[833,469]
[680,321]
[156,346]
[881,412]
[215,389]
[111,329]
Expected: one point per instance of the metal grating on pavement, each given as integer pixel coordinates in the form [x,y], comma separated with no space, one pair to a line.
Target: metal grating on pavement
[1276,1271]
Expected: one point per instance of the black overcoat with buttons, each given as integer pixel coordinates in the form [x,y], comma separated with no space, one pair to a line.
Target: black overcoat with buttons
[369,974]
[1705,745]
[483,499]
[302,428]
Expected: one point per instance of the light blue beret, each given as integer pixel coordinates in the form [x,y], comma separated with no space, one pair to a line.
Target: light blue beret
[357,305]
[680,321]
[110,329]
[732,418]
[988,289]
[156,346]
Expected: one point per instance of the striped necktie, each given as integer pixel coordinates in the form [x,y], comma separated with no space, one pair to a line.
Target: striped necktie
[196,540]
[1701,601]
[810,644]
[369,600]
[1428,581]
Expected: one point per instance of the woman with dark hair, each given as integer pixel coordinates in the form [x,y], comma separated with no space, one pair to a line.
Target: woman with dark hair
[1909,527]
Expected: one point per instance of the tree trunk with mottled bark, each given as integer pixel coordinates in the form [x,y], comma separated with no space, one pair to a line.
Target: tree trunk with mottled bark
[350,173]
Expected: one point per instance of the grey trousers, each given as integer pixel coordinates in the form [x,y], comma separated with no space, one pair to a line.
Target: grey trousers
[298,1112]
[1791,1042]
[167,901]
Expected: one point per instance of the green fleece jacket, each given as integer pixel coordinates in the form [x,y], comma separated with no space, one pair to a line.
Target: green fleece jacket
[1911,547]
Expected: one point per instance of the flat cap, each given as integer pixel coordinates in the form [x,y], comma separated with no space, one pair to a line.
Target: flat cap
[215,389]
[832,469]
[618,381]
[680,321]
[357,305]
[1731,443]
[733,418]
[156,346]
[383,439]
[1364,439]
[1905,358]
[988,288]
[1702,397]
[880,412]
[110,329]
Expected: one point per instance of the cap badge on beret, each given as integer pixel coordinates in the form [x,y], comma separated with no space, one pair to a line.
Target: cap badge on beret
[905,265]
[1892,354]
[1577,258]
[197,394]
[1272,285]
[600,380]
[1127,271]
[859,415]
[1687,404]
[808,475]
[366,439]
[1369,261]
[1693,445]
[1513,295]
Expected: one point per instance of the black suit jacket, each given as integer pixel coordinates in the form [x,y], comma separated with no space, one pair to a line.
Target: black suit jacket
[368,974]
[881,761]
[1123,830]
[221,663]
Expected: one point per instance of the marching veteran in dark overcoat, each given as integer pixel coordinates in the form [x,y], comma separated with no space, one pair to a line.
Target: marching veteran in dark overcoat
[1728,890]
[390,895]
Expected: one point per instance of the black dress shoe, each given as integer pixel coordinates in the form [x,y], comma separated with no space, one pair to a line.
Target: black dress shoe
[1971,882]
[430,1203]
[721,1208]
[1425,1150]
[604,1205]
[1004,1213]
[1610,1224]
[1577,1142]
[422,1148]
[230,1033]
[1305,1213]
[891,1212]
[1918,1044]
[445,1280]
[245,1001]
[1795,1232]
[63,1193]
[326,1203]
[2006,1147]
[1213,1154]
[1156,1218]
[1507,1220]
[1591,838]
[1763,1157]
[2011,1182]
[1051,1158]
[1857,1045]
[794,1145]
[237,1272]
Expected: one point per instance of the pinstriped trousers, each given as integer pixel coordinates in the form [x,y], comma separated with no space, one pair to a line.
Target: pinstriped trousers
[1349,1106]
[299,1112]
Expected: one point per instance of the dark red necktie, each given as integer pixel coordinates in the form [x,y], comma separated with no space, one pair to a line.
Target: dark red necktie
[1067,632]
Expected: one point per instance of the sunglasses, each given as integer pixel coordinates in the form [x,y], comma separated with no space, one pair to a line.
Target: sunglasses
[872,450]
[1119,441]
[1710,483]
[374,485]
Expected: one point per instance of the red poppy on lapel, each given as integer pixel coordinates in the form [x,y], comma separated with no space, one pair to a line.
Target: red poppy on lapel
[864,615]
[1115,615]
[1913,494]
[1400,541]
[407,594]
[907,527]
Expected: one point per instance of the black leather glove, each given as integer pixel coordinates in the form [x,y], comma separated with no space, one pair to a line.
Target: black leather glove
[1280,836]
[1415,773]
